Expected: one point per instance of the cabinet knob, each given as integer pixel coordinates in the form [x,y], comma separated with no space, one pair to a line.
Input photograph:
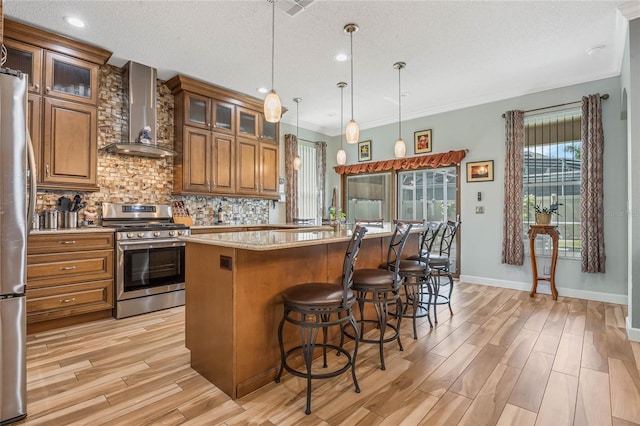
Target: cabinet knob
[48,89]
[36,86]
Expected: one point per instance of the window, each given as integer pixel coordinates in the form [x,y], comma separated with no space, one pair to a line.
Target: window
[369,197]
[552,176]
[307,182]
[428,194]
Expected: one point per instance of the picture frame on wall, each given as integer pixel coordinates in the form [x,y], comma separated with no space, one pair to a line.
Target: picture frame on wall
[480,171]
[364,151]
[422,141]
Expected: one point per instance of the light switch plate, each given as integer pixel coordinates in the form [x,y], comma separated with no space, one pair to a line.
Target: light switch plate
[479,209]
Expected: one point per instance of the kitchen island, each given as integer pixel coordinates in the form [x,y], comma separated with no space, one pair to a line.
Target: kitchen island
[233,283]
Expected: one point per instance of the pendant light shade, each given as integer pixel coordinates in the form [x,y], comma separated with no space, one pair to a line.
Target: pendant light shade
[352,132]
[272,107]
[399,149]
[272,104]
[341,156]
[297,162]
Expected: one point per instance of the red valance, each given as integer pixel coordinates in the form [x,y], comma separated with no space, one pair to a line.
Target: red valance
[433,160]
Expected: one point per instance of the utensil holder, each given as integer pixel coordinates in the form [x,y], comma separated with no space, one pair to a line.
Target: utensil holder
[50,219]
[69,219]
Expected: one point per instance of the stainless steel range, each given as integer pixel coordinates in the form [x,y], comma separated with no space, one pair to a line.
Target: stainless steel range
[150,271]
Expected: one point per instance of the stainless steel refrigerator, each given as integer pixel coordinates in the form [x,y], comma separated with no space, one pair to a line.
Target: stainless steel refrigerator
[17,202]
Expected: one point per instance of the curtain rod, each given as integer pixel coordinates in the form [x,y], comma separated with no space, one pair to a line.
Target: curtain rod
[605,97]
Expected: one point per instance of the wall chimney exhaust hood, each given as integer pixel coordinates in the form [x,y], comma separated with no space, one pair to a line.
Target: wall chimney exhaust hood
[139,136]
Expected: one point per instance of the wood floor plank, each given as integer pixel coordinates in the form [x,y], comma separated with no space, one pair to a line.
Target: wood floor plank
[513,415]
[452,342]
[392,397]
[488,405]
[568,357]
[559,401]
[576,319]
[625,390]
[475,375]
[508,332]
[414,408]
[485,333]
[547,343]
[530,387]
[447,373]
[556,320]
[595,317]
[618,346]
[595,352]
[518,352]
[592,405]
[448,410]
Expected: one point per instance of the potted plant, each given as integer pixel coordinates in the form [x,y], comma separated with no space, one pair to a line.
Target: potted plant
[543,214]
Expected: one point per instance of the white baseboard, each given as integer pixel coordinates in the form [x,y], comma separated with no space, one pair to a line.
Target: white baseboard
[632,333]
[543,287]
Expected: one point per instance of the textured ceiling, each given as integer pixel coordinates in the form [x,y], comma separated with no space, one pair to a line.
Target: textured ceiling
[458,53]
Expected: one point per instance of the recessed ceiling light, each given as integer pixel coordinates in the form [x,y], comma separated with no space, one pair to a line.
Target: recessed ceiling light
[76,22]
[341,57]
[262,89]
[595,50]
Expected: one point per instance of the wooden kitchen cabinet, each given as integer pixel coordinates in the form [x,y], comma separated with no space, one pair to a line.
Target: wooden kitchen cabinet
[257,168]
[70,144]
[207,113]
[70,78]
[63,113]
[28,59]
[224,144]
[69,278]
[207,163]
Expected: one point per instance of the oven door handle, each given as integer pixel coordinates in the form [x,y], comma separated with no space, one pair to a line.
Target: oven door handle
[150,243]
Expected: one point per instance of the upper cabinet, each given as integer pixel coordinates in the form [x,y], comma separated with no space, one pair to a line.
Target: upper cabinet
[62,104]
[224,144]
[70,78]
[207,113]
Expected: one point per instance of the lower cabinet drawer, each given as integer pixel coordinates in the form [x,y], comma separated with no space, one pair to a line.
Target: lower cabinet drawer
[52,269]
[64,300]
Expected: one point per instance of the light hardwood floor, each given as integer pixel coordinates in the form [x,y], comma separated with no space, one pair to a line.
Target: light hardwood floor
[503,358]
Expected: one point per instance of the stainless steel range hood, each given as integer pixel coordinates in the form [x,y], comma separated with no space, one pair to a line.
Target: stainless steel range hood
[139,137]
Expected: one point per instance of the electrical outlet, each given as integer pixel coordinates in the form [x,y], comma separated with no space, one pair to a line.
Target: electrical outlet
[546,270]
[479,209]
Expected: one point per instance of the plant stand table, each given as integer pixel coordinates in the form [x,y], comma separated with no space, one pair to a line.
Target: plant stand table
[534,231]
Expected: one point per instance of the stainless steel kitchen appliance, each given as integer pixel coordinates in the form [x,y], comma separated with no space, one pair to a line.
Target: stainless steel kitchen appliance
[17,204]
[150,270]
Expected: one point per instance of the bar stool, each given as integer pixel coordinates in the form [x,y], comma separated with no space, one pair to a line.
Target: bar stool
[441,264]
[416,279]
[315,306]
[381,288]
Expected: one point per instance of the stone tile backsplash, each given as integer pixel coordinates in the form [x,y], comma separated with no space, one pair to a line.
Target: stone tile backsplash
[130,179]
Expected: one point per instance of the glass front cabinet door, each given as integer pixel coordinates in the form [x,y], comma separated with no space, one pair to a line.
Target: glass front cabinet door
[197,111]
[70,78]
[223,117]
[248,122]
[25,58]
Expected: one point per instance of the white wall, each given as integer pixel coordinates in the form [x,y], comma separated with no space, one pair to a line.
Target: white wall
[481,130]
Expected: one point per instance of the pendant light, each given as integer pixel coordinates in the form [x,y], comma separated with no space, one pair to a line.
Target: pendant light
[399,149]
[352,132]
[272,104]
[341,157]
[297,162]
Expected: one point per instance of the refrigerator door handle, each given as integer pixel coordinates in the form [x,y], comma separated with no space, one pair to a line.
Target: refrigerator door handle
[33,182]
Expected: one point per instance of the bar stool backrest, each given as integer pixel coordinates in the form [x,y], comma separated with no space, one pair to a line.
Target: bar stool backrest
[428,237]
[350,257]
[448,235]
[371,222]
[396,246]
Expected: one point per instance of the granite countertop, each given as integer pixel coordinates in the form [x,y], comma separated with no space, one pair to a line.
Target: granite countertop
[285,238]
[79,230]
[257,227]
